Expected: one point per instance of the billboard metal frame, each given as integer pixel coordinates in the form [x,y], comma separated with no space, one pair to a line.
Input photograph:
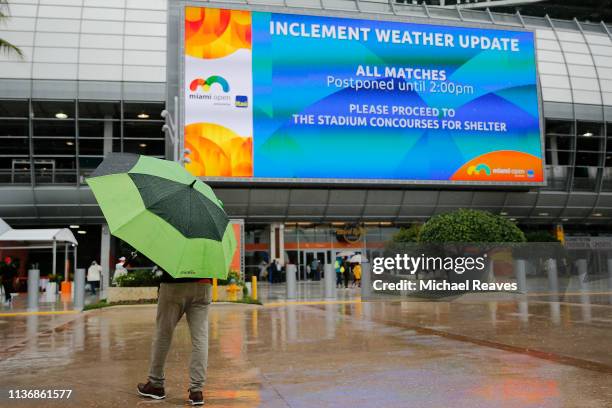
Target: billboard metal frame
[351,14]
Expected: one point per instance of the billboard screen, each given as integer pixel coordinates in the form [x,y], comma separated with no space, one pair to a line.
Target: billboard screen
[287,96]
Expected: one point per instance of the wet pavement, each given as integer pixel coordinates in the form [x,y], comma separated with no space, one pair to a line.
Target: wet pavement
[471,353]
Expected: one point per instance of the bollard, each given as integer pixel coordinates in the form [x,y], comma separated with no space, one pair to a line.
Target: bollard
[291,289]
[585,300]
[330,281]
[520,272]
[553,279]
[65,288]
[581,265]
[79,289]
[366,280]
[215,290]
[610,279]
[33,284]
[254,287]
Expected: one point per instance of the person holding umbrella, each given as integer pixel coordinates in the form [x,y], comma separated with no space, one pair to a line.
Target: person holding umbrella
[177,222]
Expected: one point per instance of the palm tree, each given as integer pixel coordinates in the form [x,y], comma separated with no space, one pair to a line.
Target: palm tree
[5,46]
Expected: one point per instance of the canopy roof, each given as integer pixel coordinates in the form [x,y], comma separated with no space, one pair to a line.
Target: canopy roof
[36,235]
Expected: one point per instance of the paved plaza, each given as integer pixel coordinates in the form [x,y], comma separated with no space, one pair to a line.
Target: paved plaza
[474,352]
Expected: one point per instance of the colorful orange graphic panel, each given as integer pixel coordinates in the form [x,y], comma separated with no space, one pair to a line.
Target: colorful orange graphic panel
[218,151]
[216,33]
[503,165]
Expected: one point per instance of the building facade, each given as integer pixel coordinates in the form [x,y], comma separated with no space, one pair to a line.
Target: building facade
[96,74]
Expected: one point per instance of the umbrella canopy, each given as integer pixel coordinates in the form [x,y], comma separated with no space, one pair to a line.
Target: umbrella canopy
[358,259]
[345,253]
[167,214]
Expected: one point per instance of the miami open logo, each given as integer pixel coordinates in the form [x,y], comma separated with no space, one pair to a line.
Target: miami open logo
[206,84]
[478,170]
[211,87]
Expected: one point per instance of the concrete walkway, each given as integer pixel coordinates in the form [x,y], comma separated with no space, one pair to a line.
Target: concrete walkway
[327,354]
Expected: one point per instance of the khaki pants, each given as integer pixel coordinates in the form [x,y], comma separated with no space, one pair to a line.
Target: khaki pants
[176,299]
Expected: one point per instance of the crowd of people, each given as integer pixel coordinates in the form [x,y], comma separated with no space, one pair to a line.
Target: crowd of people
[347,271]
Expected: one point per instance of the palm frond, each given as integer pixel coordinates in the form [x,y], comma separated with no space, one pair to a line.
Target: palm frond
[5,46]
[8,48]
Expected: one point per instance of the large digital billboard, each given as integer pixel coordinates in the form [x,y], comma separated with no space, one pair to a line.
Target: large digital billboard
[288,96]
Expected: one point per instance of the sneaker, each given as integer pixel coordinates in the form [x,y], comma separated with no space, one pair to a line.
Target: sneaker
[150,391]
[196,398]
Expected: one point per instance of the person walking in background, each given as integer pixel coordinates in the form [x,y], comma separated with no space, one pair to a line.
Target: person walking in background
[261,274]
[8,271]
[120,269]
[357,275]
[278,271]
[339,268]
[271,270]
[347,272]
[94,275]
[178,297]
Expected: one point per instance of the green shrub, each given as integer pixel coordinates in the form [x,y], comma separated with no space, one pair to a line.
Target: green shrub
[235,275]
[410,234]
[138,278]
[540,236]
[466,225]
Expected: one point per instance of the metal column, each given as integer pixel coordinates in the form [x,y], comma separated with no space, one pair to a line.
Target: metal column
[291,282]
[33,284]
[330,281]
[366,280]
[105,242]
[520,272]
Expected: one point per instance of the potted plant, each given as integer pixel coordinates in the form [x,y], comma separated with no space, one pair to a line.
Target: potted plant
[136,285]
[51,287]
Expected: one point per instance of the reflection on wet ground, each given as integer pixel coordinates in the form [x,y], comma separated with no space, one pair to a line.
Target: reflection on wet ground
[472,353]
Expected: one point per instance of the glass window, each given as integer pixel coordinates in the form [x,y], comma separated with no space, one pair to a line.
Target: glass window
[557,177]
[554,142]
[53,146]
[589,143]
[53,109]
[143,130]
[585,178]
[15,146]
[99,110]
[555,157]
[54,128]
[142,110]
[589,129]
[54,170]
[18,174]
[147,147]
[559,127]
[91,147]
[89,163]
[95,128]
[14,109]
[588,159]
[117,145]
[12,128]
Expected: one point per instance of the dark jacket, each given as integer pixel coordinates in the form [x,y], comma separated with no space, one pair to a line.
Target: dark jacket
[7,271]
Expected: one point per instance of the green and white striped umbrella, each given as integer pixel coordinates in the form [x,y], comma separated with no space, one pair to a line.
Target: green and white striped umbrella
[167,214]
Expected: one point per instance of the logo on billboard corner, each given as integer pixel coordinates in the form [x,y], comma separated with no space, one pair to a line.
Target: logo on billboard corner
[242,101]
[478,169]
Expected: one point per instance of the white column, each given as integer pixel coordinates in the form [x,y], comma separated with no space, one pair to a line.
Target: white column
[277,242]
[108,135]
